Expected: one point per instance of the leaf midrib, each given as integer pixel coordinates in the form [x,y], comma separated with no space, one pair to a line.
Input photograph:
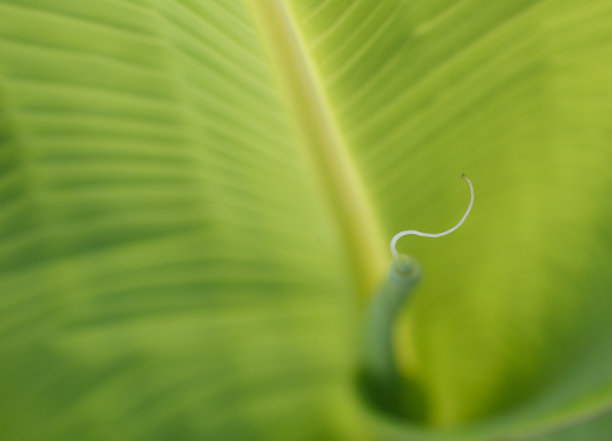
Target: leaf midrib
[323,144]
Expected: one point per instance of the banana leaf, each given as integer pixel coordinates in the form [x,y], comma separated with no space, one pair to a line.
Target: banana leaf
[197,198]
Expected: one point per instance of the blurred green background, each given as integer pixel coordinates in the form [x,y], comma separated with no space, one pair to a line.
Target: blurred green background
[196,199]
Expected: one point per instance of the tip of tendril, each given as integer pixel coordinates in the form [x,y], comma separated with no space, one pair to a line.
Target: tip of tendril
[463,176]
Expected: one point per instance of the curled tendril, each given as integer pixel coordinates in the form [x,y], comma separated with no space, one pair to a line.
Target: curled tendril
[444,233]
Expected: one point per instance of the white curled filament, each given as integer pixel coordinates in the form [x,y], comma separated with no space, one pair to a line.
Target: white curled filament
[444,233]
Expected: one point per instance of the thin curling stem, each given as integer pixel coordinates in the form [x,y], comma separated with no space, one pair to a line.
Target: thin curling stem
[401,234]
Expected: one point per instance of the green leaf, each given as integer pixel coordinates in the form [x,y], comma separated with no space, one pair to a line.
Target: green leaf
[196,199]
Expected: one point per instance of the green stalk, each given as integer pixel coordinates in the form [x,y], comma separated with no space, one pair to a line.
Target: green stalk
[339,182]
[381,379]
